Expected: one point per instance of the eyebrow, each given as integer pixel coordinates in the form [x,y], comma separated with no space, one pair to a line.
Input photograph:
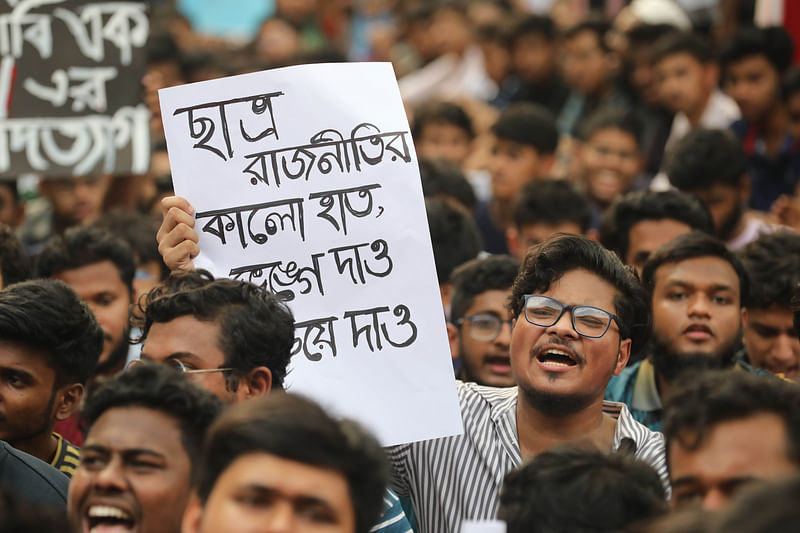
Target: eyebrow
[304,499]
[126,452]
[689,285]
[174,355]
[24,374]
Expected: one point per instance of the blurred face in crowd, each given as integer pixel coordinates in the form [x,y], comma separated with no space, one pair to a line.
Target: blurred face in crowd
[450,30]
[134,474]
[76,200]
[771,340]
[643,76]
[102,288]
[556,362]
[793,110]
[586,65]
[512,165]
[685,84]
[264,493]
[610,161]
[755,85]
[646,236]
[277,42]
[731,455]
[726,205]
[696,314]
[11,212]
[533,57]
[447,141]
[497,60]
[520,239]
[481,341]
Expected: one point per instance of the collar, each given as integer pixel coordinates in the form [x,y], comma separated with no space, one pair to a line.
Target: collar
[645,395]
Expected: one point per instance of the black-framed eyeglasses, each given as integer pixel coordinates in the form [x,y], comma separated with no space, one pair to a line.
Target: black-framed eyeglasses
[179,366]
[587,321]
[484,326]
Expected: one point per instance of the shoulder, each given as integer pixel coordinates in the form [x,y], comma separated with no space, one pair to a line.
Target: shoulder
[620,387]
[39,482]
[474,398]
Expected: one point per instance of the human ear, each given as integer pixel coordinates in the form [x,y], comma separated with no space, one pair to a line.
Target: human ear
[68,399]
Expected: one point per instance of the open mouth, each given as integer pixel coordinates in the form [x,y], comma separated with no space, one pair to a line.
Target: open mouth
[108,519]
[555,358]
[499,364]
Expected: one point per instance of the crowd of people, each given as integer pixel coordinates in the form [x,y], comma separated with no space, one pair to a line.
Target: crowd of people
[613,204]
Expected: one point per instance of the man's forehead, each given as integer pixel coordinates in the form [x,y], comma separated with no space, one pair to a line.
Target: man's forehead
[701,270]
[134,428]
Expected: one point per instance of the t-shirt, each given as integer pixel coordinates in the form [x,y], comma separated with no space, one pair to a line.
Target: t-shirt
[67,456]
[32,480]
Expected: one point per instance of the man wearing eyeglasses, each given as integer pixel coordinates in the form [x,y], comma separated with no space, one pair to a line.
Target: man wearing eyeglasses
[480,327]
[578,316]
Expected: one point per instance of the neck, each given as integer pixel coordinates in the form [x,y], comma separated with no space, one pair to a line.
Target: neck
[539,432]
[774,126]
[41,446]
[664,387]
[696,114]
[500,213]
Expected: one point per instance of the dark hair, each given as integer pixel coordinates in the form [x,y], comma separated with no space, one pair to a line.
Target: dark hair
[682,43]
[139,231]
[791,83]
[706,157]
[548,261]
[441,178]
[796,308]
[690,246]
[647,34]
[82,246]
[161,389]
[772,263]
[706,399]
[534,25]
[440,112]
[763,508]
[256,328]
[11,184]
[297,429]
[611,118]
[634,207]
[47,315]
[495,272]
[530,124]
[613,491]
[598,26]
[454,235]
[15,265]
[773,43]
[551,201]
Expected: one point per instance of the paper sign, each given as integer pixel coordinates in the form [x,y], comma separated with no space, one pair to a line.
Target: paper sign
[304,181]
[70,87]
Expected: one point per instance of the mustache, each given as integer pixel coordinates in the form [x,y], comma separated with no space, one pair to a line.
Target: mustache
[536,351]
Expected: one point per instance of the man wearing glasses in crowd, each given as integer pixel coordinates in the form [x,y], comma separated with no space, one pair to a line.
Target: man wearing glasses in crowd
[578,316]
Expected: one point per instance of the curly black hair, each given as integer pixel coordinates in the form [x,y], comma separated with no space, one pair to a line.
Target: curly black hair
[772,263]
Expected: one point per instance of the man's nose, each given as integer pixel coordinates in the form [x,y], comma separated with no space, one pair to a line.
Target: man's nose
[111,476]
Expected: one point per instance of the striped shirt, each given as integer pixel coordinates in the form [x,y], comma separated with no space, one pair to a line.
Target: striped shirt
[67,456]
[458,478]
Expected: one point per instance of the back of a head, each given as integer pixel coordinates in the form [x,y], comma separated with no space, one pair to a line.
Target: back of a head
[773,43]
[15,265]
[548,261]
[637,206]
[528,124]
[443,179]
[454,236]
[705,158]
[47,315]
[580,491]
[291,427]
[703,400]
[440,112]
[764,508]
[256,328]
[551,201]
[772,263]
[493,273]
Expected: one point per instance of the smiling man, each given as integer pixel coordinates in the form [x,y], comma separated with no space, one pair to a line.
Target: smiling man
[578,315]
[144,432]
[697,288]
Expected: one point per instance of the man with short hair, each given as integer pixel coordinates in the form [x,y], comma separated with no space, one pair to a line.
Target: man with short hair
[727,429]
[15,265]
[49,346]
[697,291]
[578,315]
[144,431]
[638,223]
[282,463]
[772,263]
[480,322]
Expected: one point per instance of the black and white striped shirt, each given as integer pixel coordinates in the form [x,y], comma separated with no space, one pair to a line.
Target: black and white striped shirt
[453,479]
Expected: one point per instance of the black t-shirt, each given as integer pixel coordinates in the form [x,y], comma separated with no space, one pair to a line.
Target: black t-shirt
[30,479]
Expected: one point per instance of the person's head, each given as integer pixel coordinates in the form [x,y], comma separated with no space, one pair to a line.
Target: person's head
[753,63]
[772,263]
[697,290]
[49,346]
[639,222]
[442,129]
[610,156]
[333,481]
[494,40]
[544,207]
[686,72]
[480,322]
[12,210]
[724,429]
[533,49]
[791,99]
[764,508]
[450,27]
[587,61]
[75,200]
[100,267]
[639,60]
[144,430]
[15,265]
[443,179]
[563,358]
[581,491]
[712,165]
[240,334]
[523,148]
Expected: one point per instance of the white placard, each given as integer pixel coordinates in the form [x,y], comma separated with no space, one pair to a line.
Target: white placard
[304,180]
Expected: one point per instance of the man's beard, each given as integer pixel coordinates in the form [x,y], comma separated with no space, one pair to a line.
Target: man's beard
[670,364]
[116,358]
[553,405]
[728,225]
[34,428]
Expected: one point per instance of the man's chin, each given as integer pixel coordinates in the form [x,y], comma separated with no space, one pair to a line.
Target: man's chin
[554,403]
